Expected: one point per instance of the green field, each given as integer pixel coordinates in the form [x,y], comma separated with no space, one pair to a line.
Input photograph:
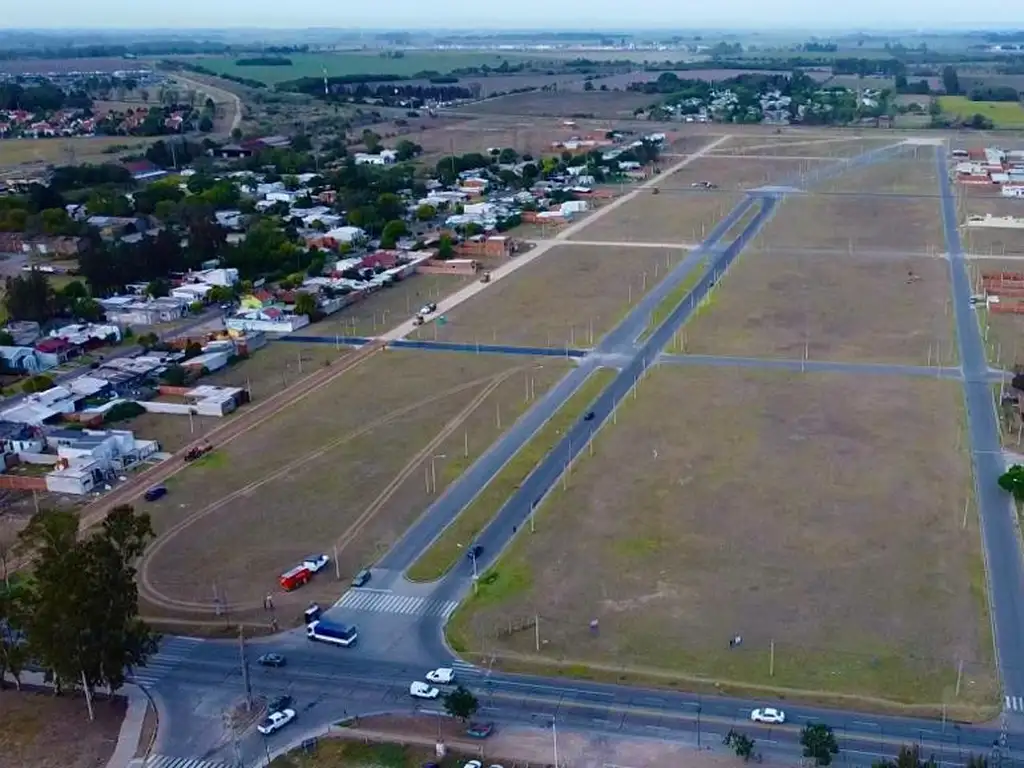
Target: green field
[338,64]
[1003,114]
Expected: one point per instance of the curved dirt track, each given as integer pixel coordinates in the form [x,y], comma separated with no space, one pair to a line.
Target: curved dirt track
[158,599]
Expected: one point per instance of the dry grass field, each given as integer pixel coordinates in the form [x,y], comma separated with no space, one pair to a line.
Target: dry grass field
[978,201]
[904,175]
[1002,331]
[828,147]
[607,104]
[344,466]
[571,296]
[14,152]
[737,172]
[855,223]
[848,308]
[387,308]
[824,543]
[673,216]
[41,730]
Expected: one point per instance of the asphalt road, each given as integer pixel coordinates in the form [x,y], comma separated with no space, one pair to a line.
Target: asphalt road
[1000,537]
[195,683]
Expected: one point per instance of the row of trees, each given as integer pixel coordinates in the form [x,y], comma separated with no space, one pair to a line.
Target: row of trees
[45,97]
[77,614]
[31,297]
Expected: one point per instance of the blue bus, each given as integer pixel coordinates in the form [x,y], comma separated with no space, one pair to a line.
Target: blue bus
[328,632]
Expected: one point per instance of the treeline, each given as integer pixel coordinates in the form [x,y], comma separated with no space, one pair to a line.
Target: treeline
[175,64]
[264,61]
[994,93]
[390,95]
[869,67]
[128,50]
[44,97]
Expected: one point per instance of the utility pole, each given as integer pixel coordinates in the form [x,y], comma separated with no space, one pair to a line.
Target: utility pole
[245,668]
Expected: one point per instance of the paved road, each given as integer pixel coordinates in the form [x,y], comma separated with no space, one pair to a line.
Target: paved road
[441,346]
[1000,537]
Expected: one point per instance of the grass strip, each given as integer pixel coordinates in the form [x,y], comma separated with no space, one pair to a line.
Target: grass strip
[445,552]
[673,299]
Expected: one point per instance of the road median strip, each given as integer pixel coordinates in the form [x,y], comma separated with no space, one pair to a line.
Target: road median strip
[446,550]
[673,299]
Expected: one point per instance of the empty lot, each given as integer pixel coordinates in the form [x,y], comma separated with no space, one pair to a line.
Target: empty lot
[808,147]
[345,466]
[905,174]
[673,216]
[855,223]
[833,307]
[804,510]
[571,296]
[738,172]
[990,240]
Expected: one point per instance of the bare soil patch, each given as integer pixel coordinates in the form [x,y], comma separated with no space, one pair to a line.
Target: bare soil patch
[672,216]
[855,223]
[738,173]
[810,146]
[824,544]
[979,201]
[41,730]
[841,307]
[569,297]
[344,466]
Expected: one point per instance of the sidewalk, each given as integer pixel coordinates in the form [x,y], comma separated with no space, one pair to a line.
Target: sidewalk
[131,728]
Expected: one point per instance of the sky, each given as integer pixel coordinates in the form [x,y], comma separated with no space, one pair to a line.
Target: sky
[522,14]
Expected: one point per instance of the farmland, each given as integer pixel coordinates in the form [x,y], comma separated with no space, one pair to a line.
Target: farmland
[570,297]
[848,488]
[97,149]
[356,63]
[598,104]
[344,466]
[1003,114]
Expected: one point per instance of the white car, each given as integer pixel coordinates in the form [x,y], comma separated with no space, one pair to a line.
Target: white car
[768,715]
[473,764]
[441,675]
[276,721]
[420,690]
[427,309]
[316,563]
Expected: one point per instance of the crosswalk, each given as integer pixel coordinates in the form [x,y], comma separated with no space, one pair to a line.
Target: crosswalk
[1015,703]
[385,601]
[173,651]
[165,761]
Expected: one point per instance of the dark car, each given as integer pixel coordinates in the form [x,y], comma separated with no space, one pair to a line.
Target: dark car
[589,416]
[271,660]
[475,551]
[312,613]
[361,578]
[279,703]
[156,492]
[480,730]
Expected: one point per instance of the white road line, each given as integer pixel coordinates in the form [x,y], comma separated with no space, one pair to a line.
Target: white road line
[449,303]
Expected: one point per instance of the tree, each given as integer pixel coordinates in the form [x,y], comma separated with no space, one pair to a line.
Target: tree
[6,340]
[372,141]
[174,376]
[390,206]
[426,212]
[819,743]
[13,652]
[305,304]
[508,156]
[38,383]
[741,744]
[158,288]
[147,340]
[460,703]
[393,230]
[950,81]
[1012,481]
[976,761]
[29,297]
[588,85]
[908,757]
[445,249]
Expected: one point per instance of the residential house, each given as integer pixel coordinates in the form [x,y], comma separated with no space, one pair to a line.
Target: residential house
[59,349]
[144,170]
[42,407]
[24,332]
[26,360]
[88,458]
[350,235]
[268,320]
[53,245]
[19,438]
[385,157]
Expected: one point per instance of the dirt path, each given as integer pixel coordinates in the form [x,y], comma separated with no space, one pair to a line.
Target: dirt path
[232,100]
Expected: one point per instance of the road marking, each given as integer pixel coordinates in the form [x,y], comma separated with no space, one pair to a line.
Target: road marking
[385,601]
[865,724]
[1015,703]
[166,761]
[174,651]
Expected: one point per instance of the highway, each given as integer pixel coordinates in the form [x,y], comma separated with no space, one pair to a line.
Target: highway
[194,680]
[1000,536]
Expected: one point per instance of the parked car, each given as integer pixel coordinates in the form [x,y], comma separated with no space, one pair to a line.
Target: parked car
[271,660]
[441,675]
[473,764]
[316,563]
[295,578]
[276,721]
[312,613]
[156,492]
[361,578]
[475,551]
[480,730]
[768,715]
[420,690]
[280,703]
[428,308]
[589,416]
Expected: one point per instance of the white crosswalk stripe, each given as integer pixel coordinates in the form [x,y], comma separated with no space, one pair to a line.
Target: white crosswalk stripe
[379,601]
[173,651]
[1015,703]
[166,761]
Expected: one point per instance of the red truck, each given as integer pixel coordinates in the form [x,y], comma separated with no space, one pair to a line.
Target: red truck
[295,578]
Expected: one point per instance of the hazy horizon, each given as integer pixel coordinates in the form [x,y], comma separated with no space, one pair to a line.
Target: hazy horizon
[597,15]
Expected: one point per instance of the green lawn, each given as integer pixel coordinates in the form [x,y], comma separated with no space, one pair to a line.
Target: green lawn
[337,64]
[445,552]
[1003,114]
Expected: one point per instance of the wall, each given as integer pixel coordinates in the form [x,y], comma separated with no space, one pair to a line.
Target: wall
[19,483]
[458,267]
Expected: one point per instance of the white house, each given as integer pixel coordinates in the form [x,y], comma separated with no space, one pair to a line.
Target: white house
[346,234]
[270,320]
[386,157]
[1012,191]
[224,277]
[39,408]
